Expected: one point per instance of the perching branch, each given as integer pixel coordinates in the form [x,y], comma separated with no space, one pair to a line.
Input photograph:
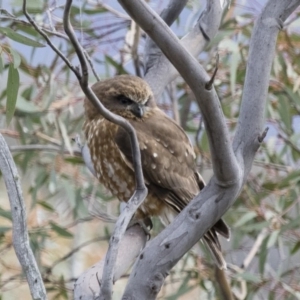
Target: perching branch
[87,285]
[20,233]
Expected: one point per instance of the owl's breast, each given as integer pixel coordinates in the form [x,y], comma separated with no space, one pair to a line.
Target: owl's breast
[110,168]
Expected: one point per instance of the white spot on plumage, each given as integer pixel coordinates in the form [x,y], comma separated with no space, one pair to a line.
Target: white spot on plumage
[123,187]
[154,154]
[109,168]
[99,121]
[153,166]
[116,166]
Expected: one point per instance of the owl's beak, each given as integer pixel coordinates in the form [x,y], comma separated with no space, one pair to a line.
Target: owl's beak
[138,110]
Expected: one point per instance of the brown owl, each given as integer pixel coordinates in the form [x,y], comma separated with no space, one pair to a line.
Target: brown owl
[168,158]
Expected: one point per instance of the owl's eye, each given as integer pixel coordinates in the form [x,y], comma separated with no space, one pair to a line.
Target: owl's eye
[124,100]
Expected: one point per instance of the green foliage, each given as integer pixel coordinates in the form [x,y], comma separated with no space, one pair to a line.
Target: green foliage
[11,92]
[41,106]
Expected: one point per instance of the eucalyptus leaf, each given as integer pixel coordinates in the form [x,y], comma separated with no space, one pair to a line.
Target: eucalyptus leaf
[13,82]
[1,63]
[19,38]
[16,57]
[26,106]
[60,230]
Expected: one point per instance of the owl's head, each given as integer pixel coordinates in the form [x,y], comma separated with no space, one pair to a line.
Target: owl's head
[126,95]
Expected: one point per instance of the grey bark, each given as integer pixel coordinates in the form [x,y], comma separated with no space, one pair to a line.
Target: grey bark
[20,232]
[159,67]
[159,70]
[87,285]
[231,164]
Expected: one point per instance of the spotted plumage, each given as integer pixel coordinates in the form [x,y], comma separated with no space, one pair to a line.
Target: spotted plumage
[168,159]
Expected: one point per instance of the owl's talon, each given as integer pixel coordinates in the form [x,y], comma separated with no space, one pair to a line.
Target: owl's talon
[146,225]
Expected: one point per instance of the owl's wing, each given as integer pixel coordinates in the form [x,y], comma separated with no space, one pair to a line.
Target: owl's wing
[169,168]
[167,159]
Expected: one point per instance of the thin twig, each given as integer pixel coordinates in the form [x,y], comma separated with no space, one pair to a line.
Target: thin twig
[254,248]
[14,19]
[44,35]
[262,136]
[289,142]
[91,65]
[46,148]
[174,100]
[76,249]
[109,9]
[210,83]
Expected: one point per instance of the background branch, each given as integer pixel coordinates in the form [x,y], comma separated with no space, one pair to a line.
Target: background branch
[20,233]
[159,70]
[259,63]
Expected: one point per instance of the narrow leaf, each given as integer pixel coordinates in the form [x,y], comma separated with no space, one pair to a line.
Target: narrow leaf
[272,239]
[61,231]
[296,248]
[13,82]
[263,256]
[65,136]
[16,58]
[249,277]
[245,218]
[5,213]
[1,63]
[17,37]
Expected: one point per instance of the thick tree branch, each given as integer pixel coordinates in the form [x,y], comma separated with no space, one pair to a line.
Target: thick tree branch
[159,70]
[152,54]
[224,162]
[20,233]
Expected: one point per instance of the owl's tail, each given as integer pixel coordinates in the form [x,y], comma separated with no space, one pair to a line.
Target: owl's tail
[212,242]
